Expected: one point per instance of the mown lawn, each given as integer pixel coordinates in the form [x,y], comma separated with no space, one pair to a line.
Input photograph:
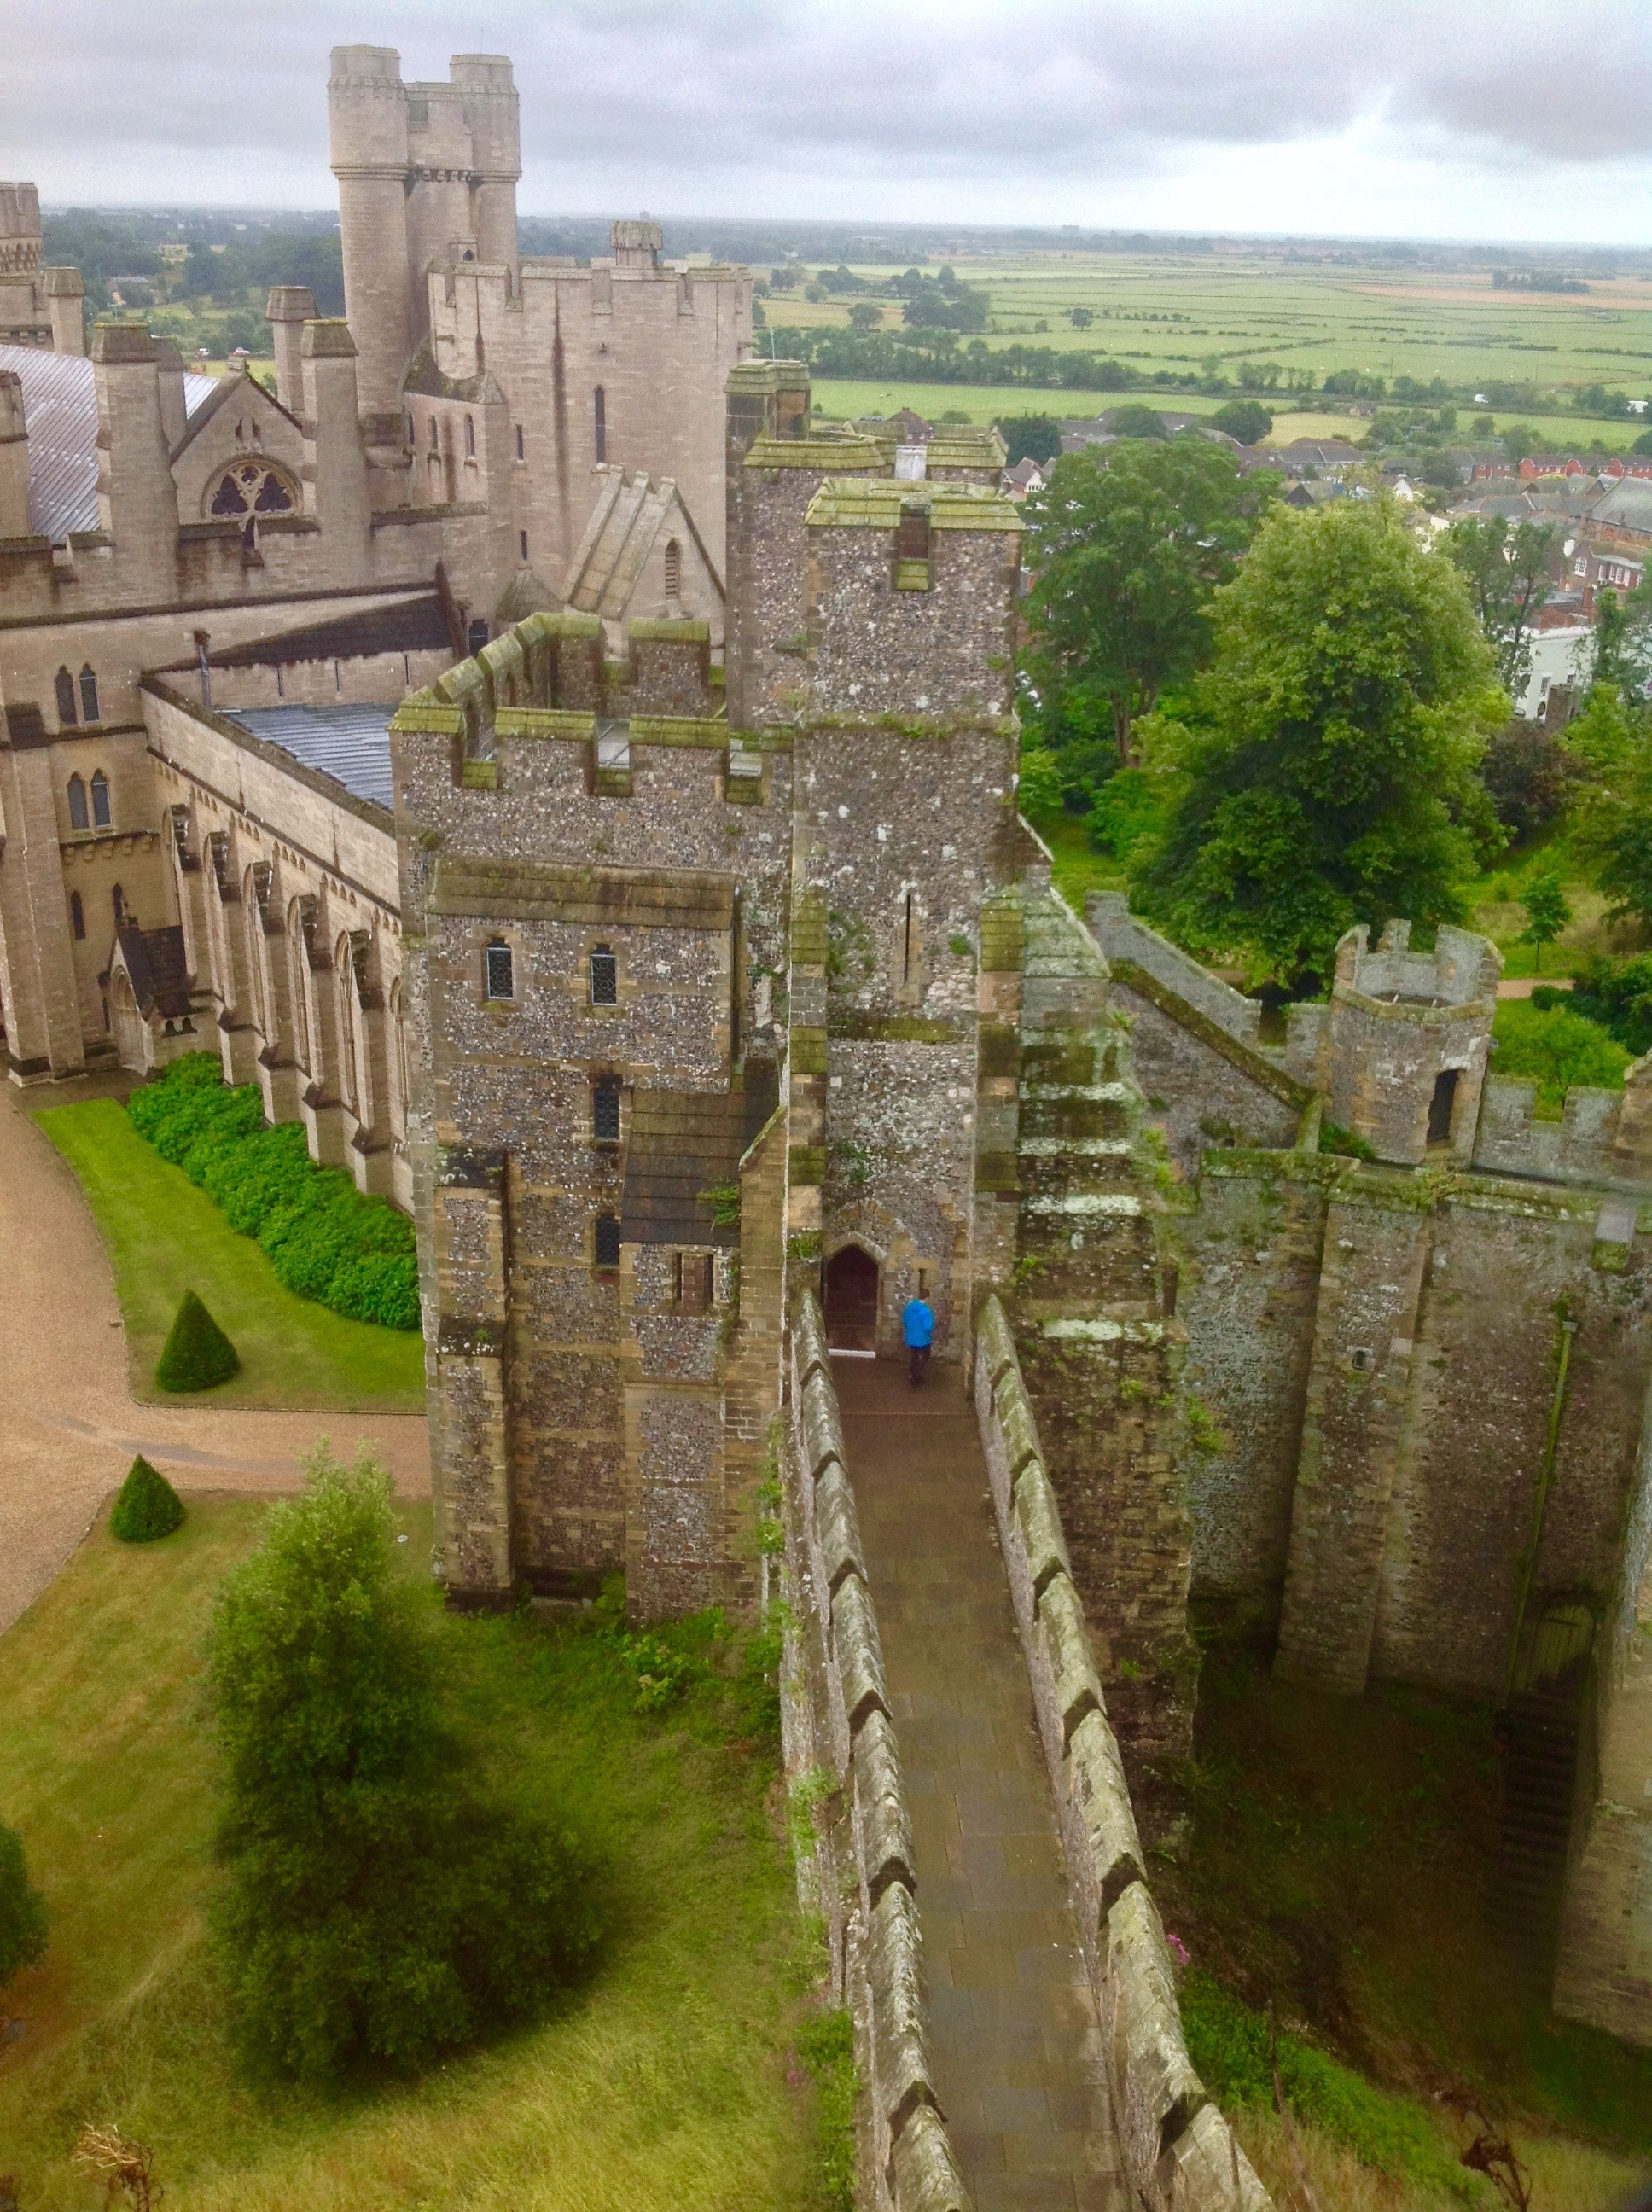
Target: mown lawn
[664,2082]
[164,1237]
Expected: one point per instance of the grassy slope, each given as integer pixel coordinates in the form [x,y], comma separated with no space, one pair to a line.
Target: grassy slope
[165,1237]
[1341,1869]
[664,2083]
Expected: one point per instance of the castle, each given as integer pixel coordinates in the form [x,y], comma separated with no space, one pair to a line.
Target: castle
[581,787]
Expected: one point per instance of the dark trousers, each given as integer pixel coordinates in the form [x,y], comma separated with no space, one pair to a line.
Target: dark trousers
[917,1360]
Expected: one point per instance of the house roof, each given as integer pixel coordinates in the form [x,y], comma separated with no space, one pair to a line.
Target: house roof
[349,743]
[631,511]
[683,1142]
[60,408]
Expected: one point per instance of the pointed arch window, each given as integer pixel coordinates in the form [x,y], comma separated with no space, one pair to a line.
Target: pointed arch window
[77,914]
[67,716]
[88,695]
[673,570]
[78,816]
[250,488]
[600,410]
[100,815]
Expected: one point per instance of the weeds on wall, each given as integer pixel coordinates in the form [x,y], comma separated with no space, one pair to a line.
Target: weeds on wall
[326,1240]
[826,2046]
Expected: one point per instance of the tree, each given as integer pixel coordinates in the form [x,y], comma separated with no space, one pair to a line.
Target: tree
[1129,541]
[1508,574]
[1546,913]
[1135,419]
[1623,641]
[1246,420]
[1030,438]
[1611,814]
[865,315]
[1644,443]
[22,1910]
[1526,769]
[1329,761]
[1080,318]
[378,1905]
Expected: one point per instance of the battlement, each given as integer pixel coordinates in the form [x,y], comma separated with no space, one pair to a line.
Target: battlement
[1462,969]
[20,230]
[1602,1137]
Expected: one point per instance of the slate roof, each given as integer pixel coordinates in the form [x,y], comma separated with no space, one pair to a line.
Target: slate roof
[60,409]
[681,1143]
[415,625]
[159,968]
[349,743]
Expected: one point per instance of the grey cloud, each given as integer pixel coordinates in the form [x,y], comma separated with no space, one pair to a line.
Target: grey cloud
[1061,88]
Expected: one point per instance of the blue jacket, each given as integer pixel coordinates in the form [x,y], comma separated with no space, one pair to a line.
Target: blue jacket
[917,1323]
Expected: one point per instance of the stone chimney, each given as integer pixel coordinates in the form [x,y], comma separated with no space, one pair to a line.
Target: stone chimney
[335,459]
[137,500]
[14,458]
[174,417]
[287,310]
[65,300]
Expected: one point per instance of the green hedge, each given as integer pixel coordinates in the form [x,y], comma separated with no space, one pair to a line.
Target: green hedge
[323,1239]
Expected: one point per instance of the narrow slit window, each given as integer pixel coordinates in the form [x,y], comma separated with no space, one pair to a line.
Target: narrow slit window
[499,971]
[477,636]
[118,901]
[412,431]
[78,816]
[100,815]
[673,570]
[606,1241]
[605,1112]
[605,977]
[67,717]
[599,409]
[470,437]
[77,913]
[88,695]
[1440,1106]
[435,436]
[523,537]
[520,453]
[907,943]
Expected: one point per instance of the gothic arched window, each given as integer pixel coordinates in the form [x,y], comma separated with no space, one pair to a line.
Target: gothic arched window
[78,816]
[88,695]
[250,488]
[100,816]
[673,570]
[66,716]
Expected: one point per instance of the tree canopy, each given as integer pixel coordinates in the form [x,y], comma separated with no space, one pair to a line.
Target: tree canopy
[1611,813]
[1328,765]
[1246,420]
[1128,542]
[1031,437]
[1507,568]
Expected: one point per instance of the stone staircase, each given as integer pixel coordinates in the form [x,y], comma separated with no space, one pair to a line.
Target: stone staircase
[1538,1729]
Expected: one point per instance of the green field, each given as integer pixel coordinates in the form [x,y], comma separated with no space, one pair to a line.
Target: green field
[1230,314]
[164,1237]
[665,2080]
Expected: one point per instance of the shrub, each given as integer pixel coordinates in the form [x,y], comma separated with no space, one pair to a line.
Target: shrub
[378,1907]
[1556,1049]
[22,1910]
[1526,769]
[1130,806]
[1234,2053]
[1617,993]
[148,1506]
[324,1240]
[196,1353]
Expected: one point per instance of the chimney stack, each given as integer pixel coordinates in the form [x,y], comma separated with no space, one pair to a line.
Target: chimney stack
[287,310]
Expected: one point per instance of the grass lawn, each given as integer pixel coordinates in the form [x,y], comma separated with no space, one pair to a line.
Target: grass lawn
[1341,1869]
[164,1237]
[1077,867]
[664,2082]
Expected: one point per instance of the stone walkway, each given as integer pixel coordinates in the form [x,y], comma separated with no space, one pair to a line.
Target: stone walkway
[69,1426]
[1015,2050]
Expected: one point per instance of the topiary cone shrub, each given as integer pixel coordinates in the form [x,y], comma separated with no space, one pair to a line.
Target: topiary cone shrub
[196,1353]
[148,1506]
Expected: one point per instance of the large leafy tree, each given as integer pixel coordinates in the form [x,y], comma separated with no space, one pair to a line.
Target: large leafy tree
[1129,541]
[1611,814]
[1507,568]
[1329,771]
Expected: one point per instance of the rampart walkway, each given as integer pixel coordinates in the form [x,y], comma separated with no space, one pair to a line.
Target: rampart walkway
[68,1427]
[1014,2043]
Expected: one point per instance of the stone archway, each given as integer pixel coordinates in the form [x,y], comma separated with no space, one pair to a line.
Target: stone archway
[850,1285]
[131,1032]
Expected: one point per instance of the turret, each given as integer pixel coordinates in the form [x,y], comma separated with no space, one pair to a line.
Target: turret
[367,115]
[287,310]
[491,114]
[14,458]
[636,244]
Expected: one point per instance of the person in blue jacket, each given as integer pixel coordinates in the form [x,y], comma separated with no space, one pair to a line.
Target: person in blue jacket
[918,1328]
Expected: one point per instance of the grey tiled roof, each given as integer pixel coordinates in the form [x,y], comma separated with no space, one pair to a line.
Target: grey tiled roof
[60,409]
[350,744]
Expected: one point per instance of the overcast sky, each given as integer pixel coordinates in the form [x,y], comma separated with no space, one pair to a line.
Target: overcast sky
[1482,118]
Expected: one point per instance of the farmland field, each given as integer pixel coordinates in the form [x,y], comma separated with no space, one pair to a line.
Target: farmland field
[1281,319]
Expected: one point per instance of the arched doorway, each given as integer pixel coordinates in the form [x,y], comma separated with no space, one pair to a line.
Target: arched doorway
[852,1300]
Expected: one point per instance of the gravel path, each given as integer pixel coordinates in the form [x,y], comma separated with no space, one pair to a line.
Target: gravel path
[69,1426]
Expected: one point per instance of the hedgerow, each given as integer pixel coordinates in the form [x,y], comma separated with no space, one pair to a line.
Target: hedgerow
[324,1240]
